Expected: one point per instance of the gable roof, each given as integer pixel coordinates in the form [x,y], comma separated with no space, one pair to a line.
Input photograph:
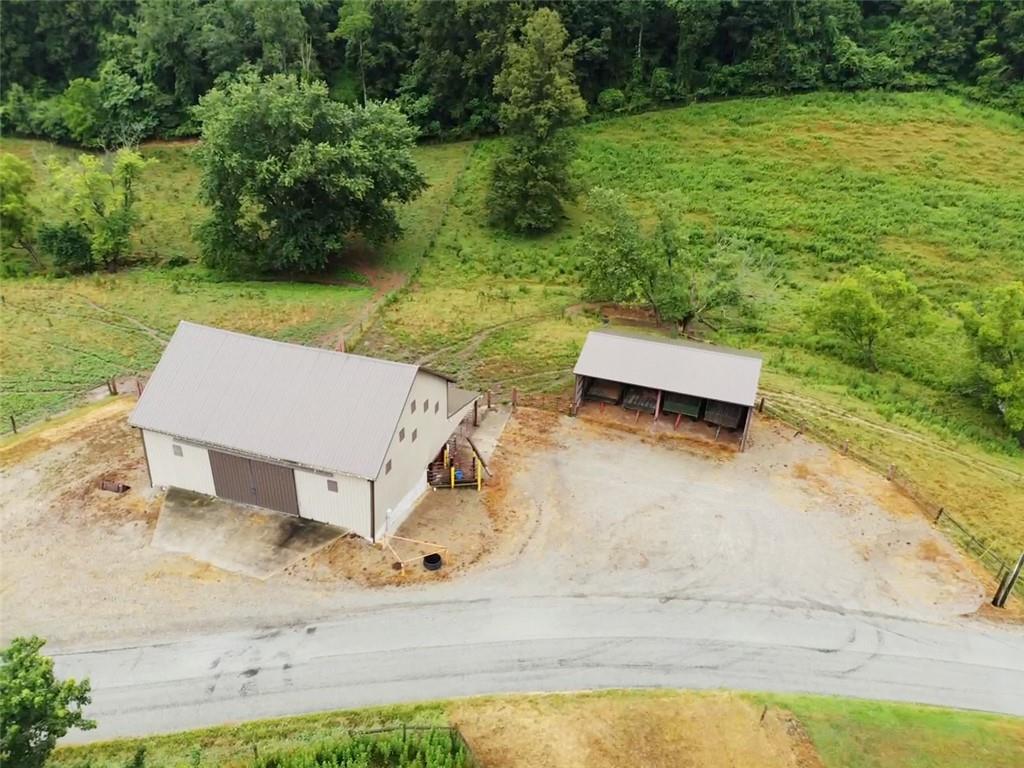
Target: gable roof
[673,365]
[312,407]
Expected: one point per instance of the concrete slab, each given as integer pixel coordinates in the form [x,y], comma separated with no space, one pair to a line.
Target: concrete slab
[487,434]
[236,537]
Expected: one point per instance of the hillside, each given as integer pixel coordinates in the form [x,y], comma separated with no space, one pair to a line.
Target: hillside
[803,188]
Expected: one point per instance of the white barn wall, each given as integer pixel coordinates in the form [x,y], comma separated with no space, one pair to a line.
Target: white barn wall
[399,490]
[348,507]
[190,471]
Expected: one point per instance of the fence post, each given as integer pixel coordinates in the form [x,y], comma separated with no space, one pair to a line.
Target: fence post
[488,399]
[891,473]
[14,425]
[515,397]
[938,516]
[760,406]
[846,447]
[1007,584]
[138,386]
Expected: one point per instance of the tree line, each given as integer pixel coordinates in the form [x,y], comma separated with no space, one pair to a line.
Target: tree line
[111,72]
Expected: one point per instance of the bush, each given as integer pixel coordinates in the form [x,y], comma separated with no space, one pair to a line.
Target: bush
[68,248]
[611,100]
[661,84]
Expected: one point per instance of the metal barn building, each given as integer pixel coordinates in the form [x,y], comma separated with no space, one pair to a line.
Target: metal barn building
[330,436]
[670,377]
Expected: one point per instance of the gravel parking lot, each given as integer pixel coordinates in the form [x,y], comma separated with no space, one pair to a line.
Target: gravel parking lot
[575,507]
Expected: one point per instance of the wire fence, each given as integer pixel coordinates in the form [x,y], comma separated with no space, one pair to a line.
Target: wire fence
[993,555]
[12,423]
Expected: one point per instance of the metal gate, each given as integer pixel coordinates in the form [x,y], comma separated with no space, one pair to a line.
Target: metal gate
[254,482]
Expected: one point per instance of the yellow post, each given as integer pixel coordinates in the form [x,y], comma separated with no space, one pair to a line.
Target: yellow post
[479,475]
[446,455]
[453,477]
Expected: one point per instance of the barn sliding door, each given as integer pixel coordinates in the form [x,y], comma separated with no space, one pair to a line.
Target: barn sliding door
[254,482]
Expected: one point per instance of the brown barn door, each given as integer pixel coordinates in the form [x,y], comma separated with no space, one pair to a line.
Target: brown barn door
[232,477]
[254,482]
[275,487]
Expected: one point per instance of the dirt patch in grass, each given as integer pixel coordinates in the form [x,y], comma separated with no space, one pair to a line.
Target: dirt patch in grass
[656,729]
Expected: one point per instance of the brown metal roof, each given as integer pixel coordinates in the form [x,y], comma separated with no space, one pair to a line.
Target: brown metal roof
[312,407]
[672,365]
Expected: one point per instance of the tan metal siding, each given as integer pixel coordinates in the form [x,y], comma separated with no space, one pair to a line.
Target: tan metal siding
[348,507]
[398,490]
[190,471]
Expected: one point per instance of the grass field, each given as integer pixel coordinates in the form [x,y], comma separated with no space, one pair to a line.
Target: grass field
[598,730]
[61,337]
[802,189]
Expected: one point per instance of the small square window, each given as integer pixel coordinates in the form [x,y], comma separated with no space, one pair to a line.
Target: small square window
[436,406]
[412,407]
[332,486]
[414,435]
[387,467]
[177,450]
[401,434]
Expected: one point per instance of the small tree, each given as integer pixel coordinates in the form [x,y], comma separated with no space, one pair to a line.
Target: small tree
[68,248]
[995,328]
[868,307]
[36,709]
[355,23]
[537,83]
[681,282]
[101,196]
[288,174]
[17,214]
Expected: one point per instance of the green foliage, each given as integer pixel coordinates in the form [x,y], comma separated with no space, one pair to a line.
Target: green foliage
[611,100]
[680,281]
[288,174]
[869,306]
[17,212]
[36,709]
[540,98]
[355,23]
[996,330]
[101,198]
[440,748]
[67,247]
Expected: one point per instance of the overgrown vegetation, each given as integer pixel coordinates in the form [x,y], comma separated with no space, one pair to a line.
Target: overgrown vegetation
[36,709]
[108,73]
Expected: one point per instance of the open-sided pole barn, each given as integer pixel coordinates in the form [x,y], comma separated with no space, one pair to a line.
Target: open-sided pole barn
[334,437]
[669,377]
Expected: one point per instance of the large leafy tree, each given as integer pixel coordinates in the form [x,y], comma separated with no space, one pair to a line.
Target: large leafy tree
[867,307]
[17,213]
[541,98]
[36,708]
[288,174]
[995,328]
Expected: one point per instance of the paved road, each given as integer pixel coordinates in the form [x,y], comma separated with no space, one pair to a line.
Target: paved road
[407,652]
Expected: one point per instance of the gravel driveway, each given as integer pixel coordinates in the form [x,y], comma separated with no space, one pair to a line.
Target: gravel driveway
[574,508]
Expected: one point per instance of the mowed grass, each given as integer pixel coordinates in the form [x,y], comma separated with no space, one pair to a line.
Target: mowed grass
[803,190]
[61,337]
[598,729]
[854,733]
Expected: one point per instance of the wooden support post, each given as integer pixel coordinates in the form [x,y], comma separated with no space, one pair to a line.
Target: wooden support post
[679,417]
[637,417]
[138,386]
[488,399]
[476,413]
[14,426]
[446,457]
[657,407]
[479,475]
[453,475]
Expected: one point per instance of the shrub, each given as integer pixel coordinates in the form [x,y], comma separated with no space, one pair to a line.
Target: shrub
[67,245]
[611,100]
